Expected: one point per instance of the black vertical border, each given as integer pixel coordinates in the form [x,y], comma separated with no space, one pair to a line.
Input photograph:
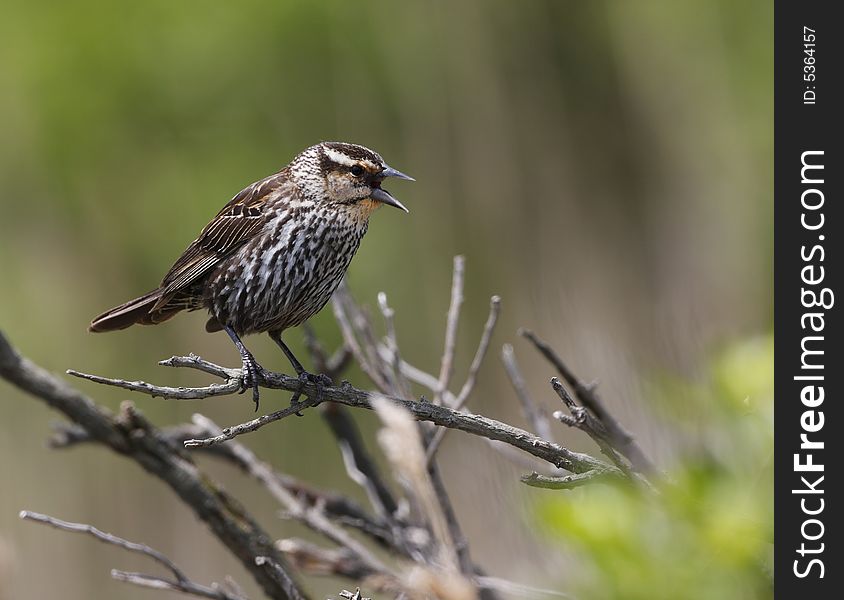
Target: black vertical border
[801,127]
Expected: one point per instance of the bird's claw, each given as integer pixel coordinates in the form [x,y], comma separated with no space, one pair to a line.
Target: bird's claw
[252,374]
[321,381]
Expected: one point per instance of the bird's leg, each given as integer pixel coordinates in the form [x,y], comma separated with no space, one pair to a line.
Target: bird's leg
[320,381]
[251,370]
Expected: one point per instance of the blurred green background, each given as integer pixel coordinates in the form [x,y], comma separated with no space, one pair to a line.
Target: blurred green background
[604,166]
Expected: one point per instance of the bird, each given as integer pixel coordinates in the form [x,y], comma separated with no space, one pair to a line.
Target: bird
[273,256]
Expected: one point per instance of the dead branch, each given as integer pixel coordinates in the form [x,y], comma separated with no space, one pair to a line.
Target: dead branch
[460,401]
[617,436]
[348,395]
[130,435]
[181,583]
[359,464]
[531,410]
[452,321]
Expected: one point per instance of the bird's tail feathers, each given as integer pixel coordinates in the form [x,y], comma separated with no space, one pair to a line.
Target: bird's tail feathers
[149,309]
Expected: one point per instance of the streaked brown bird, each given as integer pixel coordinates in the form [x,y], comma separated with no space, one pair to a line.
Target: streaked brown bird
[273,256]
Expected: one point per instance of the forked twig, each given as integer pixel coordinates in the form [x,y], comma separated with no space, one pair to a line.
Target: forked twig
[460,401]
[181,583]
[616,435]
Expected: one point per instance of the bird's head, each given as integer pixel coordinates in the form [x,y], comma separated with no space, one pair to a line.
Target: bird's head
[347,174]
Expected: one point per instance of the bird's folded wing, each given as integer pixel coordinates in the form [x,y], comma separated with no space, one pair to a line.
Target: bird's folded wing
[238,222]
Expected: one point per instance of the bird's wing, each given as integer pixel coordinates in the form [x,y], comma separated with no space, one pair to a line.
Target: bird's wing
[238,222]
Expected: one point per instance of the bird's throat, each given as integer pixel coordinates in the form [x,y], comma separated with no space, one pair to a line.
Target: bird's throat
[362,209]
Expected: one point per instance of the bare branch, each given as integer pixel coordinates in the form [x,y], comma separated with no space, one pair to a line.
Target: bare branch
[480,354]
[359,464]
[182,582]
[358,336]
[453,320]
[313,517]
[105,537]
[460,401]
[337,507]
[215,591]
[582,419]
[460,544]
[443,416]
[171,393]
[532,412]
[620,438]
[402,387]
[568,482]
[192,361]
[415,374]
[131,435]
[255,424]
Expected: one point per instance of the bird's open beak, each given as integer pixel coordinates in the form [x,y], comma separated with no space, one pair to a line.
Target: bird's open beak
[382,195]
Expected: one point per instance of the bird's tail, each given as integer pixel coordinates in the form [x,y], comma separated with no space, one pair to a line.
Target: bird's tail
[149,309]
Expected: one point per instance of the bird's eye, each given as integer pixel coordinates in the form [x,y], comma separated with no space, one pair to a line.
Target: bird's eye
[357,170]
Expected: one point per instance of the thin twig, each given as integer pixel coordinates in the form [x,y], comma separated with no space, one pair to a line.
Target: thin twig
[584,420]
[567,482]
[619,437]
[108,538]
[532,412]
[480,353]
[359,465]
[337,507]
[341,307]
[192,361]
[182,582]
[229,433]
[358,335]
[452,322]
[415,374]
[402,387]
[159,583]
[357,460]
[313,517]
[232,386]
[477,361]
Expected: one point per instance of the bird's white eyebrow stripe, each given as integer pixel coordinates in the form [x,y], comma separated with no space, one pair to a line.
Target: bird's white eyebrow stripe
[342,159]
[339,157]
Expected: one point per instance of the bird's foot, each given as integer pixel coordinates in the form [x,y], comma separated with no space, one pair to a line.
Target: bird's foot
[320,380]
[252,374]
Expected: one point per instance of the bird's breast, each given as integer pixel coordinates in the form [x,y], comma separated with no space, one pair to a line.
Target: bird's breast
[290,274]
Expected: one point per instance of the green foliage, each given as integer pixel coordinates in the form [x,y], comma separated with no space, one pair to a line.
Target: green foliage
[708,533]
